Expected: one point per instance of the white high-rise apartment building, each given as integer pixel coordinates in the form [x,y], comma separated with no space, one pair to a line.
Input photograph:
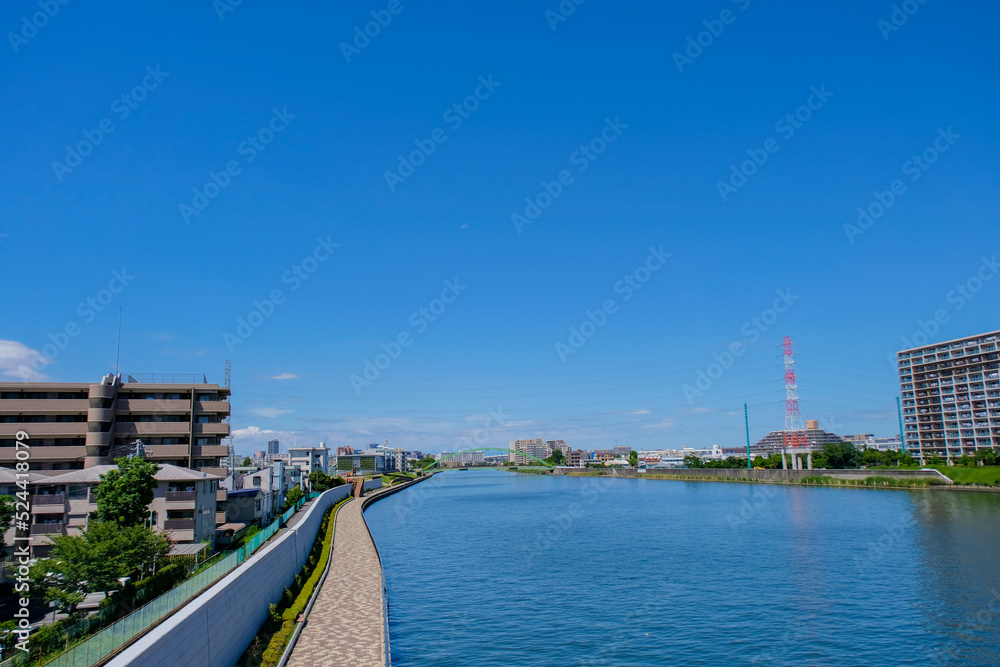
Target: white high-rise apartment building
[951,396]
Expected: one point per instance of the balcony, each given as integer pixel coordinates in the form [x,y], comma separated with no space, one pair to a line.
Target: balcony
[221,472]
[153,428]
[38,430]
[154,406]
[181,496]
[211,429]
[41,406]
[178,524]
[48,529]
[47,504]
[167,451]
[221,495]
[212,406]
[209,451]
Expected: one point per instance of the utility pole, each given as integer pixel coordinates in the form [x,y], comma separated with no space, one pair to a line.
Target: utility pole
[902,435]
[746,421]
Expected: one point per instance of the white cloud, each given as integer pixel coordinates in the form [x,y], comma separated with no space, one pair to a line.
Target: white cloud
[18,360]
[663,423]
[285,376]
[270,413]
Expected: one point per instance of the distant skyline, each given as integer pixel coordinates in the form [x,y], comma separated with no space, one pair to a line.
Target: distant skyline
[483,223]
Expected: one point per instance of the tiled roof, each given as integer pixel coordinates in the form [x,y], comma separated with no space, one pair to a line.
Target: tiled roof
[166,473]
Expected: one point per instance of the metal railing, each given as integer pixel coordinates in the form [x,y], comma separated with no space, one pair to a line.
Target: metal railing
[49,499]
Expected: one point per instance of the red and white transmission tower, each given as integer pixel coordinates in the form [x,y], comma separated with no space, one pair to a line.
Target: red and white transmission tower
[794,436]
[793,418]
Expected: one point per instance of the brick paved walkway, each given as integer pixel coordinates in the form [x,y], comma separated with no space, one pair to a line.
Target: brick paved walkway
[345,626]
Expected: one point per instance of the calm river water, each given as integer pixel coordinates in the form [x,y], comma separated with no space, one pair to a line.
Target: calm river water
[494,568]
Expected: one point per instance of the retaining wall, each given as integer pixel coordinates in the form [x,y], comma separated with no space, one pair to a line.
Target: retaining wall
[758,475]
[214,629]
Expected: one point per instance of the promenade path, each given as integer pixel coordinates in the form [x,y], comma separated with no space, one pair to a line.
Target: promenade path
[345,627]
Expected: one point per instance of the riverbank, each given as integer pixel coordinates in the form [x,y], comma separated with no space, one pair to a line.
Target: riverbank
[925,479]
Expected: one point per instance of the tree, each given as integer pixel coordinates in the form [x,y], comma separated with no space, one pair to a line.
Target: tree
[319,481]
[124,495]
[987,457]
[94,561]
[424,462]
[6,515]
[293,496]
[692,461]
[840,455]
[558,458]
[633,458]
[873,457]
[137,547]
[247,462]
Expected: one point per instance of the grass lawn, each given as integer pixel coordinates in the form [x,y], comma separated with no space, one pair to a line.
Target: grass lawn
[988,476]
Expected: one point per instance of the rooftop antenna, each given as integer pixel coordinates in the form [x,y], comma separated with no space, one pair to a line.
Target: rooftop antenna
[118,352]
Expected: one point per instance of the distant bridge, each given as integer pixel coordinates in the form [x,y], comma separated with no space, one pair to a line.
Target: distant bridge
[488,449]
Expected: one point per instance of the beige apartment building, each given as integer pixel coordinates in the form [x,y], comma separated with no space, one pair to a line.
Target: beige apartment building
[951,396]
[179,420]
[184,506]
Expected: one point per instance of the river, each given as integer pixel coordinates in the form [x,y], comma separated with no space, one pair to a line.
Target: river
[496,568]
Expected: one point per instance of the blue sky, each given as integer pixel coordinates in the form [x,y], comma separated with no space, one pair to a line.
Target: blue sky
[620,143]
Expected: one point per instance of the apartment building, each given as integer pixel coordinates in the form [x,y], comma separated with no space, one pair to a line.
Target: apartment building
[525,449]
[951,396]
[183,508]
[175,420]
[812,437]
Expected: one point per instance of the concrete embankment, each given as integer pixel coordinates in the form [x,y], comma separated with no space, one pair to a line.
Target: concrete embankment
[214,629]
[755,475]
[348,625]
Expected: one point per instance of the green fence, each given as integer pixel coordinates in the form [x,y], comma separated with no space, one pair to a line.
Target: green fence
[113,637]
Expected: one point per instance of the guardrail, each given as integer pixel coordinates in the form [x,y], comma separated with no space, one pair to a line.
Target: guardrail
[123,631]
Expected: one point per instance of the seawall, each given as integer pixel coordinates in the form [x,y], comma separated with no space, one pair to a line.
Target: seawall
[214,629]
